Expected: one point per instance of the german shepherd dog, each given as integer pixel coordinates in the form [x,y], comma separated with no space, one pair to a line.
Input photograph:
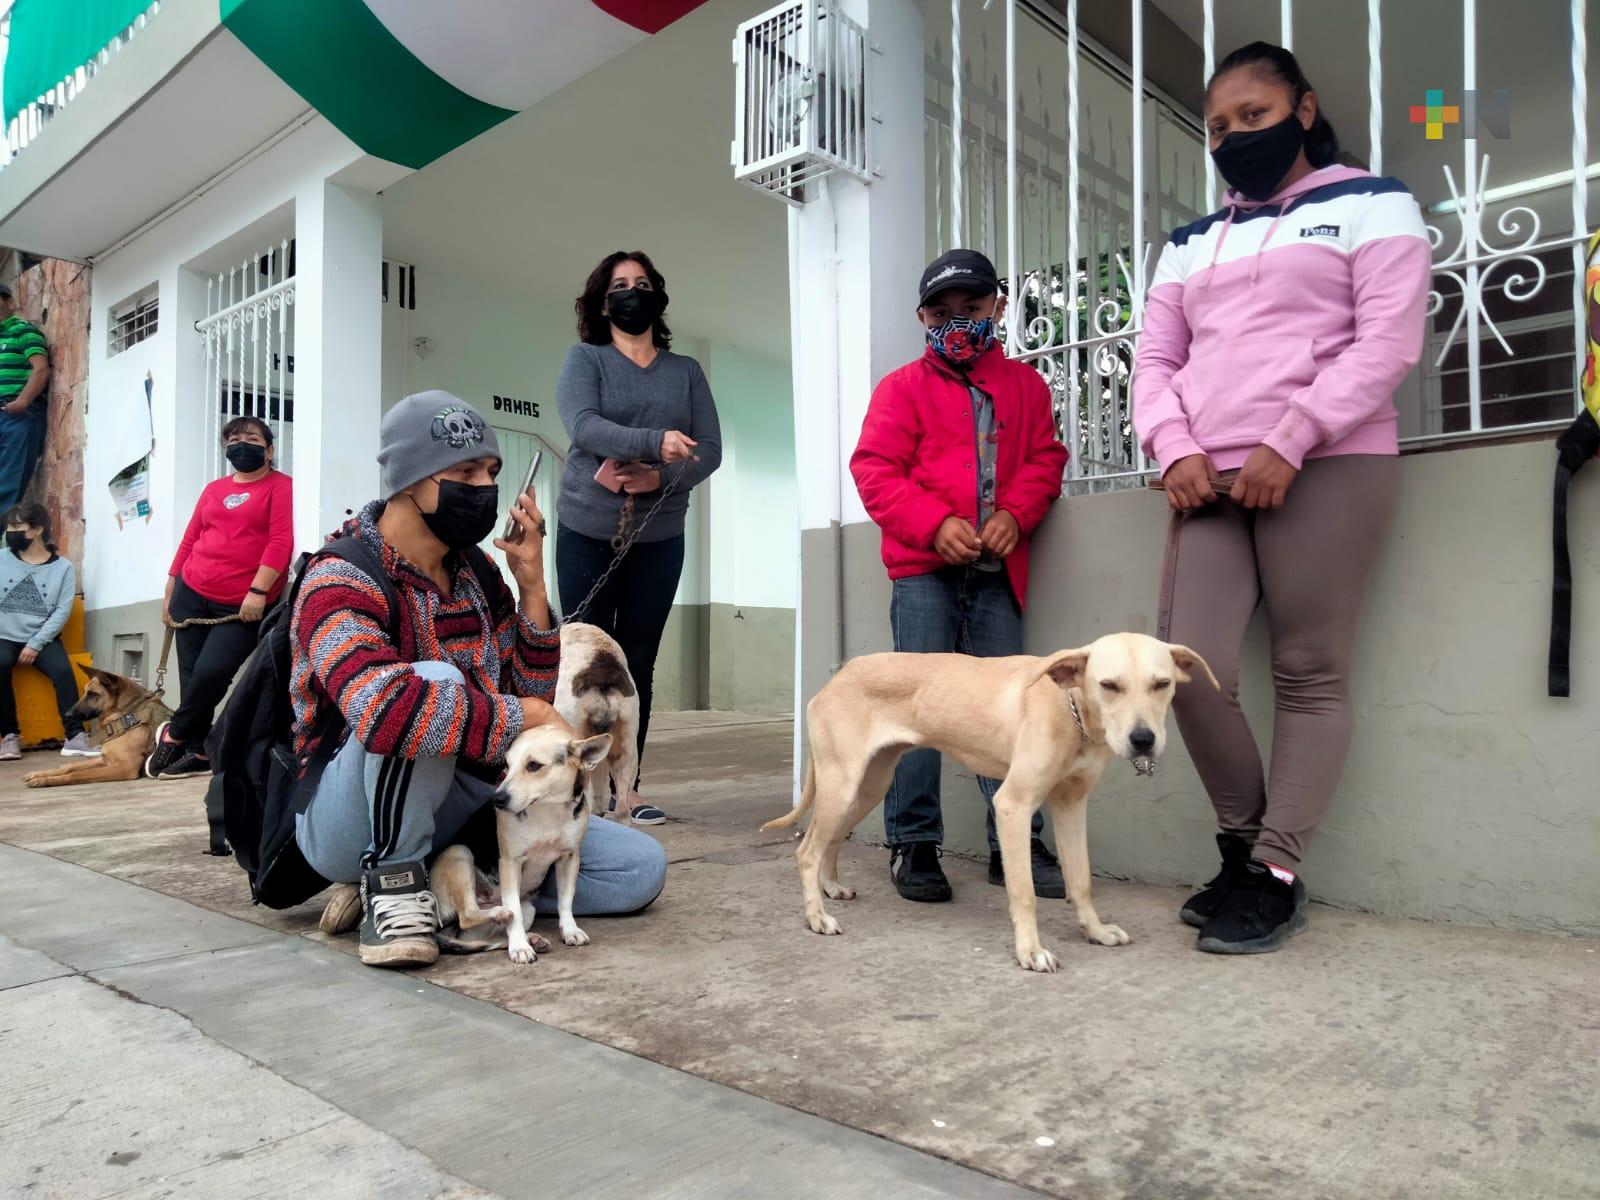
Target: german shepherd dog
[128,715]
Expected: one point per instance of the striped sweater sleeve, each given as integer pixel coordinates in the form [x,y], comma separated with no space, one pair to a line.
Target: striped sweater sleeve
[341,627]
[529,657]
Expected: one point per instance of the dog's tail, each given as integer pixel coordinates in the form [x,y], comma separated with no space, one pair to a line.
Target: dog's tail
[450,944]
[808,793]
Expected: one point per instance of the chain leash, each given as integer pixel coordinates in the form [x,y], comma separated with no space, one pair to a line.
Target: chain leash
[623,541]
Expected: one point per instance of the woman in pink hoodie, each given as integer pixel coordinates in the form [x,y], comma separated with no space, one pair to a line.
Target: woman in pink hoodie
[1275,333]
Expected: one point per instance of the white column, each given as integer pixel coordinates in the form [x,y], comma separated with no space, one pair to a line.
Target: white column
[338,350]
[856,251]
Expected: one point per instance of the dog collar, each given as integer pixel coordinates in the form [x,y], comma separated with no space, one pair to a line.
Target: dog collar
[1077,715]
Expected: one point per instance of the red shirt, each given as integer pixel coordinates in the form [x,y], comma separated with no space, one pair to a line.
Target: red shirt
[237,528]
[916,464]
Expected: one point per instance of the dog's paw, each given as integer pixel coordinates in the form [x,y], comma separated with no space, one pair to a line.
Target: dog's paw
[825,925]
[539,942]
[837,891]
[1038,960]
[1108,935]
[522,954]
[33,779]
[500,914]
[574,937]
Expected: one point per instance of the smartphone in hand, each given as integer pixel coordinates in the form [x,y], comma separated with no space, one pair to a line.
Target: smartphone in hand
[606,476]
[527,483]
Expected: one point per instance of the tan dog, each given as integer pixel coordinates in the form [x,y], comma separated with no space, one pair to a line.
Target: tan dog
[129,714]
[541,814]
[1046,726]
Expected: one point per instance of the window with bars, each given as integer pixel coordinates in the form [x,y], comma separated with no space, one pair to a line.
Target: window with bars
[1531,385]
[132,321]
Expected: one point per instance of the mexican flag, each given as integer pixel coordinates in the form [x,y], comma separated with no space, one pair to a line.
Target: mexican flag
[410,80]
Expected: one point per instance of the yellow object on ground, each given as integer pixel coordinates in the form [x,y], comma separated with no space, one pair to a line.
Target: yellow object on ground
[36,699]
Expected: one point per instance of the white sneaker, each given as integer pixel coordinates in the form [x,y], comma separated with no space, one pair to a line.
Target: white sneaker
[10,747]
[79,746]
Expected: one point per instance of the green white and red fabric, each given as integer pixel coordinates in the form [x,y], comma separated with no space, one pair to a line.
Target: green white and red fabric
[410,80]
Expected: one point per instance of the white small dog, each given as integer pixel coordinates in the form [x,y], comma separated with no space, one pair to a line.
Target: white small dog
[596,694]
[541,814]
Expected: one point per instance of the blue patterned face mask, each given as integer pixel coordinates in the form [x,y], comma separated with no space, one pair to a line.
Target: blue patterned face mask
[961,340]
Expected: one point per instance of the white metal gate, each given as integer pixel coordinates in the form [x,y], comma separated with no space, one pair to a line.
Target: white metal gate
[248,333]
[1031,160]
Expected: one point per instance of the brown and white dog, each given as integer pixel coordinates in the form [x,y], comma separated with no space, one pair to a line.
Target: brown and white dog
[128,714]
[596,694]
[1046,726]
[541,814]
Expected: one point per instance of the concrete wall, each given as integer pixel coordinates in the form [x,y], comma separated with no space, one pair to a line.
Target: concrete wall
[1468,796]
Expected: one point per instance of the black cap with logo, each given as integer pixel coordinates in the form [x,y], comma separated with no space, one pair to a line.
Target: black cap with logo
[965,269]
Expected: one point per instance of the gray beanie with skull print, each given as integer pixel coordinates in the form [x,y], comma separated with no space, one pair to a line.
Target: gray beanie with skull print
[427,433]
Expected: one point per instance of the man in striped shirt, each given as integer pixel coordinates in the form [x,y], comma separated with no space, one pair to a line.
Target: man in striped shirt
[429,698]
[24,376]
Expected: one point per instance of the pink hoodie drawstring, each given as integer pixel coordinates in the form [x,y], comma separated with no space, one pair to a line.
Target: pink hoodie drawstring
[1221,237]
[1255,267]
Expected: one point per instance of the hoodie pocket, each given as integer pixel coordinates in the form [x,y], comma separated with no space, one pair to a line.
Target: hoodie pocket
[1237,392]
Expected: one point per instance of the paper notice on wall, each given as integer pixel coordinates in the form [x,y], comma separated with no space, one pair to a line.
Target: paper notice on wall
[130,487]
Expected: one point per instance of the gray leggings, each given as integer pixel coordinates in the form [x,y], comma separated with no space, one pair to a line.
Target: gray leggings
[1308,563]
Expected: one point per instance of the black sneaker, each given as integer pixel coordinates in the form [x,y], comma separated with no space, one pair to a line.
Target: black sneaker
[914,868]
[188,764]
[1047,881]
[163,754]
[1203,905]
[1258,915]
[399,918]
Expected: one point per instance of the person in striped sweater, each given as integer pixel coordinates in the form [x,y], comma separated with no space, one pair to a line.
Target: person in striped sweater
[429,702]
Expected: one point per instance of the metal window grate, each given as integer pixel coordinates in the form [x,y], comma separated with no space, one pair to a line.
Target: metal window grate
[133,322]
[800,97]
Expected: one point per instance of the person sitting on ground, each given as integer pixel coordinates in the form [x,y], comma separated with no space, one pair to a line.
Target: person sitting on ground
[230,564]
[957,463]
[429,703]
[36,590]
[24,389]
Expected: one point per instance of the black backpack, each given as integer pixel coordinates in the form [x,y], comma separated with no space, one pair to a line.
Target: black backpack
[259,787]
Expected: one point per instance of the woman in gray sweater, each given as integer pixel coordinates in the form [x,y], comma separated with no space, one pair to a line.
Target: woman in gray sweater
[37,586]
[644,432]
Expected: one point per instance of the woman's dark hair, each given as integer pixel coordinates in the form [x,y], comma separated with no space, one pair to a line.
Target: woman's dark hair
[240,424]
[33,516]
[1322,143]
[593,325]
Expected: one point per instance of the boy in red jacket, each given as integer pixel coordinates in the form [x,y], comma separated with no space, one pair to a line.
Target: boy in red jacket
[957,463]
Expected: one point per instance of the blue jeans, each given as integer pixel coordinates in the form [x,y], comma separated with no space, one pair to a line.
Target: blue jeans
[428,804]
[954,610]
[21,443]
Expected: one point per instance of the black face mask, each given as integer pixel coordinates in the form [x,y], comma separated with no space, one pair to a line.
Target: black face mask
[635,310]
[466,514]
[17,540]
[1254,162]
[246,457]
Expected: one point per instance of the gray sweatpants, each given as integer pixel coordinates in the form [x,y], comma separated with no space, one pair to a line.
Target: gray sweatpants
[369,811]
[1308,563]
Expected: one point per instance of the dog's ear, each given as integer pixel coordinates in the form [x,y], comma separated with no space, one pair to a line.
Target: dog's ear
[1187,662]
[1065,668]
[591,752]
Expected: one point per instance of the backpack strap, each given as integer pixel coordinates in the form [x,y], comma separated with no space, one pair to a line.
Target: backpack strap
[356,552]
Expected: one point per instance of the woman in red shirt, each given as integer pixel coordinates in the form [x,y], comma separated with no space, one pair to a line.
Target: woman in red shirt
[231,561]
